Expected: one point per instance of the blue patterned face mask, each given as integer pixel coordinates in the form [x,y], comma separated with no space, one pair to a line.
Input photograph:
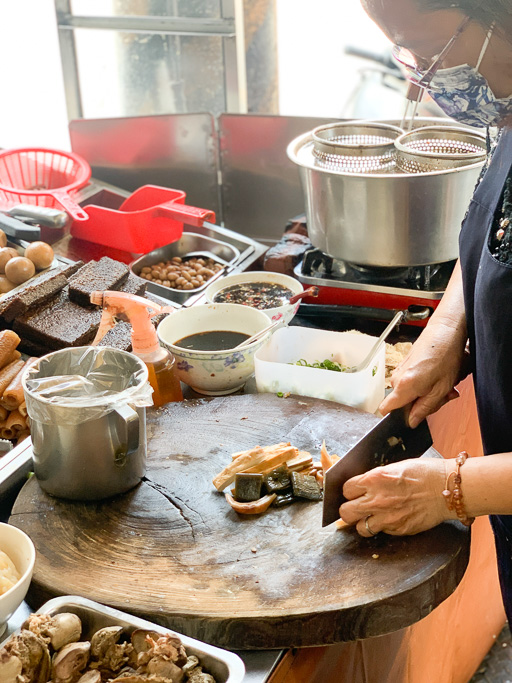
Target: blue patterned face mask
[464,94]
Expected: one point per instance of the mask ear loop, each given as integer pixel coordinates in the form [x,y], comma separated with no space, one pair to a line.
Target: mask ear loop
[413,97]
[485,45]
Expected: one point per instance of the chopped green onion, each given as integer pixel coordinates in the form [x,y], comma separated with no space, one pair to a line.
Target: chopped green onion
[324,365]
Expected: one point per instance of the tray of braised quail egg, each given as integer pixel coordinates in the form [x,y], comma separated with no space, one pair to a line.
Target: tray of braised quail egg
[74,639]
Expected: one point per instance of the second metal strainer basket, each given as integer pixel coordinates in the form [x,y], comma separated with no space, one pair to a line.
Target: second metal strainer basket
[355,147]
[438,148]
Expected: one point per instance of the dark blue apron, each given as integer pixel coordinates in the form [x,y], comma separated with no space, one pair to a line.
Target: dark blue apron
[488,304]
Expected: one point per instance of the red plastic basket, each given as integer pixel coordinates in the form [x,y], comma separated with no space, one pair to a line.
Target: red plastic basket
[44,177]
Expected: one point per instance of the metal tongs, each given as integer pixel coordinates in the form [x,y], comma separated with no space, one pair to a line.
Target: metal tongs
[399,317]
[22,222]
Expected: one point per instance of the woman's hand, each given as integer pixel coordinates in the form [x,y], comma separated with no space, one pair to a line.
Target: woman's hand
[428,375]
[400,499]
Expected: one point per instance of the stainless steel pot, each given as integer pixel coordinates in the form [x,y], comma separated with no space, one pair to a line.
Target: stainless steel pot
[384,220]
[88,421]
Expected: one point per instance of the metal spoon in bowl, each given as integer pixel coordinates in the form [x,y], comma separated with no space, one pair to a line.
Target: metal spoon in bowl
[399,317]
[258,335]
[311,291]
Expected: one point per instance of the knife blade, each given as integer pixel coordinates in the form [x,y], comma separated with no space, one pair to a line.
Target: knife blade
[391,440]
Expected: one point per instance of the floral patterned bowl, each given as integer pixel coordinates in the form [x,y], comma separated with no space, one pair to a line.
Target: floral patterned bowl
[283,313]
[214,373]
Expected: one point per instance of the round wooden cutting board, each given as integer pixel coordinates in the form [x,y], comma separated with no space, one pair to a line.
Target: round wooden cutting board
[173,550]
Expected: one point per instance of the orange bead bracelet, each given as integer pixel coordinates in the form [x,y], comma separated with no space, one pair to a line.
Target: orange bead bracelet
[454,499]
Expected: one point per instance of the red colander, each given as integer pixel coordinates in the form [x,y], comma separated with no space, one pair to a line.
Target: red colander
[44,177]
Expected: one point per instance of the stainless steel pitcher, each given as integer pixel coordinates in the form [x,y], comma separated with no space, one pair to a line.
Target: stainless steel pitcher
[88,421]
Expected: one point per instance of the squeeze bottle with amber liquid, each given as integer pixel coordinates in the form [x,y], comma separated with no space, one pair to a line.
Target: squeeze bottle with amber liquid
[160,363]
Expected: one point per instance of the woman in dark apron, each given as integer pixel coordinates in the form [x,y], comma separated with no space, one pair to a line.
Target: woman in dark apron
[460,52]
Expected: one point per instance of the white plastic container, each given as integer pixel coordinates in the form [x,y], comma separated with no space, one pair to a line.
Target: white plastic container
[364,389]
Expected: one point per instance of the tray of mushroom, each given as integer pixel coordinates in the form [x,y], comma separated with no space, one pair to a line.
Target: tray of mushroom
[74,640]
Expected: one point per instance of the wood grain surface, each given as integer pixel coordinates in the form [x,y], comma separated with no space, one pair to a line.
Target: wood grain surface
[172,550]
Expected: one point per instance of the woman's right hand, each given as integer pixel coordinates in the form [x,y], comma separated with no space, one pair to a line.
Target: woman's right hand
[426,378]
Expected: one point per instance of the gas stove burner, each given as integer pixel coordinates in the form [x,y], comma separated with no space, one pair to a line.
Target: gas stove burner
[378,274]
[423,275]
[343,282]
[414,276]
[320,265]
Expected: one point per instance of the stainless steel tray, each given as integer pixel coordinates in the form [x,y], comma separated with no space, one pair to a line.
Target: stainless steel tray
[57,263]
[224,253]
[14,466]
[225,666]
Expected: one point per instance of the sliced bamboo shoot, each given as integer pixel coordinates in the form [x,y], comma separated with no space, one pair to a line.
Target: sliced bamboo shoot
[250,459]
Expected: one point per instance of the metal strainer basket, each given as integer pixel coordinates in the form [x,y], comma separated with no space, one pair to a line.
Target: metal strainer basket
[355,147]
[438,148]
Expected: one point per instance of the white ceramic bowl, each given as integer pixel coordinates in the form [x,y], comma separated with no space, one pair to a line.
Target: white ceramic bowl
[18,546]
[284,313]
[214,373]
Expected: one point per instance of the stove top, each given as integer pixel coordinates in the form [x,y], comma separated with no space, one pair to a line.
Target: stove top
[416,282]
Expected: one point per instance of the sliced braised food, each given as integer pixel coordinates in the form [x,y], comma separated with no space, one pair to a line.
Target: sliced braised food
[278,481]
[284,499]
[248,487]
[281,471]
[57,631]
[33,654]
[326,459]
[111,655]
[305,486]
[69,663]
[279,453]
[256,507]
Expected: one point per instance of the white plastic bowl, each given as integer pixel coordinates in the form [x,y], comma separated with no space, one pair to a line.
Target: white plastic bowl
[214,373]
[363,389]
[284,313]
[18,546]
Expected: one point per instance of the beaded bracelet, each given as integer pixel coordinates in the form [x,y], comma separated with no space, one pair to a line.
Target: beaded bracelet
[454,499]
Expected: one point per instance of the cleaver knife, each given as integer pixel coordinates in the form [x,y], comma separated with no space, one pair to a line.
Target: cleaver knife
[391,440]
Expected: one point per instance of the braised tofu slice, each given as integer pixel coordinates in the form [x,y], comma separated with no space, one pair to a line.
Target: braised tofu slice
[305,486]
[248,487]
[278,480]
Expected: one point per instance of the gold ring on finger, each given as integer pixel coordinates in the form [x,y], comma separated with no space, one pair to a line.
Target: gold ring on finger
[368,529]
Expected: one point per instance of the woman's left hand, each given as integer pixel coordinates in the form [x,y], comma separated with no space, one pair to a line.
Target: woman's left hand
[400,499]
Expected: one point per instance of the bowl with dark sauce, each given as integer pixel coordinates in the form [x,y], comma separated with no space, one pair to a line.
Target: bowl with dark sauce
[203,339]
[265,291]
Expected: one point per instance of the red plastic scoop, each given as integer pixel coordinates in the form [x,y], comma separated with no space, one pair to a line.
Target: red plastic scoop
[149,218]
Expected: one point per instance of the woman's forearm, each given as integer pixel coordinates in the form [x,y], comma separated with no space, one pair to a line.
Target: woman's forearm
[435,364]
[487,484]
[451,311]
